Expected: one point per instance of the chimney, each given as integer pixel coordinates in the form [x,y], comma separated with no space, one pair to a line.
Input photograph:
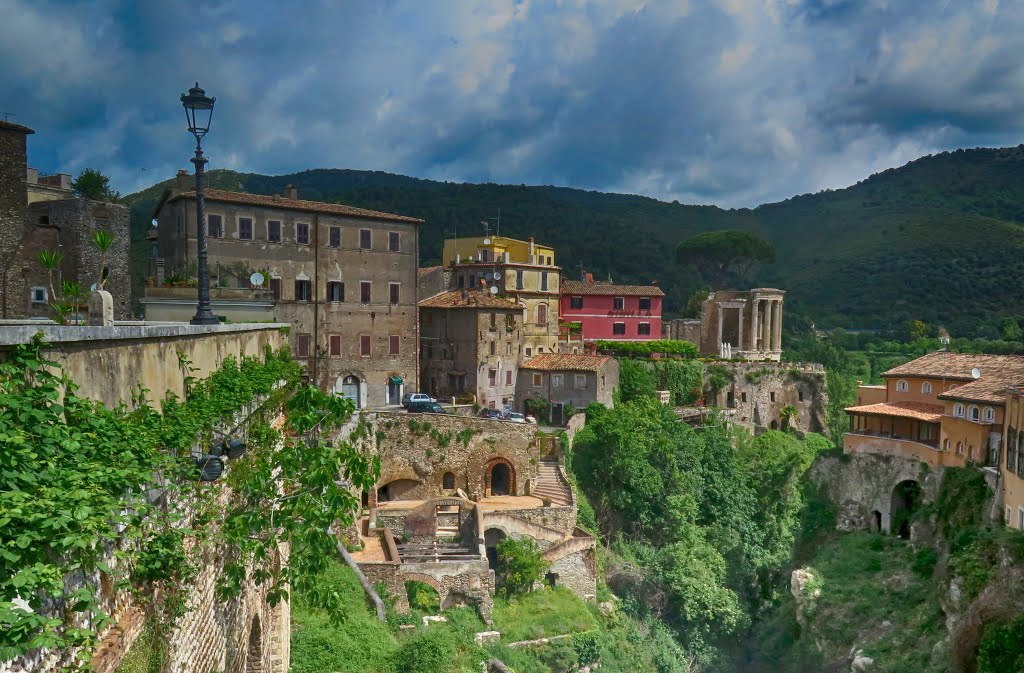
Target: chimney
[588,277]
[290,192]
[182,181]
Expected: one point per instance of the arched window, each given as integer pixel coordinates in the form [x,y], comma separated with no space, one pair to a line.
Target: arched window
[542,314]
[926,388]
[945,444]
[958,410]
[988,414]
[960,448]
[902,386]
[448,481]
[951,387]
[973,413]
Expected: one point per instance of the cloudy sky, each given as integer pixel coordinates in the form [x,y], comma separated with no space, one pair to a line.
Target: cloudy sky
[733,102]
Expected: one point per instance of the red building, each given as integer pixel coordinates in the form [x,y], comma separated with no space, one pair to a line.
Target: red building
[610,311]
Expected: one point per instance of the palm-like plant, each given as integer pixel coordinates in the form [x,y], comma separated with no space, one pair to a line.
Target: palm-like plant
[51,261]
[787,415]
[103,241]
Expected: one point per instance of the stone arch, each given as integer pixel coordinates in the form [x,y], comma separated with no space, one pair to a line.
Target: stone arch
[350,386]
[499,477]
[774,425]
[492,536]
[448,481]
[395,489]
[906,498]
[254,652]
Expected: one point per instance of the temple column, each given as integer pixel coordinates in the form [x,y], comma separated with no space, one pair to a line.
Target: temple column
[766,327]
[721,313]
[739,332]
[755,307]
[777,327]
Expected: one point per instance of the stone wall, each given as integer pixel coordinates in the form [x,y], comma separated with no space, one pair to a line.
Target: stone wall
[456,582]
[13,199]
[760,390]
[577,572]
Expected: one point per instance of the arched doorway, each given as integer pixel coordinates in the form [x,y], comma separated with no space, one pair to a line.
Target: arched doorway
[348,387]
[254,654]
[448,481]
[876,522]
[500,477]
[492,536]
[906,497]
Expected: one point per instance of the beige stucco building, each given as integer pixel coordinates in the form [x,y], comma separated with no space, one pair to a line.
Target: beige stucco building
[564,380]
[344,278]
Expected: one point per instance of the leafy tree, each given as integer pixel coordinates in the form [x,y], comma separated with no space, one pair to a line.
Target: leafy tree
[520,565]
[695,303]
[92,184]
[635,380]
[725,254]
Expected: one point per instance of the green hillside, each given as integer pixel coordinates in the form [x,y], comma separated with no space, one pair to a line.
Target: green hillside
[939,239]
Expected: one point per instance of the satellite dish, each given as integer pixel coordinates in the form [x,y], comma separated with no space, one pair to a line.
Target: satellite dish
[489,275]
[494,290]
[256,278]
[497,275]
[975,373]
[487,241]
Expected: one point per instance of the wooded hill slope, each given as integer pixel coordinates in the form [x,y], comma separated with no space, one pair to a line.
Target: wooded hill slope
[940,239]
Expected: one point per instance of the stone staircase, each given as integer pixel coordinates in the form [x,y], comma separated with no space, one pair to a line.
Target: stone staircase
[551,485]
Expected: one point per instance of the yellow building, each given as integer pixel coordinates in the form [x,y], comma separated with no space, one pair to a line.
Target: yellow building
[521,271]
[1011,464]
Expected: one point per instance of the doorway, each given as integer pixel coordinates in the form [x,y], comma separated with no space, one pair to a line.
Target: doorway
[349,389]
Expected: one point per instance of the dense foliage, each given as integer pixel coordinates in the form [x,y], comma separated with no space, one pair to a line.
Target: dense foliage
[645,348]
[520,565]
[725,255]
[684,379]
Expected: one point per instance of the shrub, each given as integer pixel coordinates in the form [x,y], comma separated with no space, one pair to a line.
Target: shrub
[520,564]
[925,561]
[431,651]
[645,348]
[1002,647]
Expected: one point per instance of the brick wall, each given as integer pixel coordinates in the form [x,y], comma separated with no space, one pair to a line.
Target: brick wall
[13,198]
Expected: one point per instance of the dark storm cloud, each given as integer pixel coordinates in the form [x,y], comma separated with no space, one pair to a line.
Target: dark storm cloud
[730,101]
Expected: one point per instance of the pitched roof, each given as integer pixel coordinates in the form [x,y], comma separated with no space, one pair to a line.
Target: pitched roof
[986,389]
[580,287]
[918,411]
[11,126]
[455,299]
[557,362]
[283,203]
[997,373]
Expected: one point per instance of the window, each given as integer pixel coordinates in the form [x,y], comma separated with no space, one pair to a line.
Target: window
[394,344]
[926,388]
[39,295]
[448,481]
[643,328]
[364,345]
[334,237]
[508,348]
[302,345]
[576,302]
[645,303]
[544,281]
[743,397]
[542,314]
[902,386]
[581,380]
[529,351]
[302,290]
[958,410]
[214,226]
[538,380]
[245,228]
[365,239]
[393,292]
[492,377]
[973,413]
[494,319]
[959,448]
[302,233]
[619,303]
[334,344]
[519,279]
[556,380]
[393,241]
[494,347]
[335,290]
[771,396]
[1020,517]
[988,414]
[945,444]
[619,328]
[179,225]
[1008,519]
[365,294]
[273,231]
[508,377]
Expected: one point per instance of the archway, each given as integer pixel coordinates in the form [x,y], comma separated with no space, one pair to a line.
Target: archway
[348,387]
[906,497]
[396,490]
[774,425]
[422,596]
[492,536]
[448,481]
[501,479]
[254,654]
[876,522]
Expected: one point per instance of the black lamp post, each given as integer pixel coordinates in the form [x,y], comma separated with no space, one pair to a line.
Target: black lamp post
[199,111]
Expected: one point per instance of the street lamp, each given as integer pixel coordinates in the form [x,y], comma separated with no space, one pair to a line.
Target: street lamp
[199,111]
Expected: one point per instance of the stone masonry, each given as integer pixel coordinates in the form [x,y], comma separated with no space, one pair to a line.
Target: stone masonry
[13,199]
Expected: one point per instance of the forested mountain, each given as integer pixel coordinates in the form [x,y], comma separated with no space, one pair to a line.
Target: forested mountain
[940,239]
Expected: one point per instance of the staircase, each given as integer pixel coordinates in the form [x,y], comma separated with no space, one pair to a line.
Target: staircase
[551,485]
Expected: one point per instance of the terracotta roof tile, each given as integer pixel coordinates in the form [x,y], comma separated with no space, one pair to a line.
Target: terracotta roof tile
[454,299]
[997,373]
[283,203]
[580,287]
[918,411]
[557,362]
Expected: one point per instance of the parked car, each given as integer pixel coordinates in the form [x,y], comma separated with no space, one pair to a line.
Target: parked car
[425,407]
[409,398]
[516,418]
[494,414]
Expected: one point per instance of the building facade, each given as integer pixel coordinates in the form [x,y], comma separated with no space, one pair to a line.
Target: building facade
[522,271]
[941,409]
[567,380]
[612,312]
[1011,462]
[470,345]
[345,278]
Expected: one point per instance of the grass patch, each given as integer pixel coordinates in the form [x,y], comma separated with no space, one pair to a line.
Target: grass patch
[541,614]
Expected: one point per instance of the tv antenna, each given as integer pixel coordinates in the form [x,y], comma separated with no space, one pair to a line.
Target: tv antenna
[8,115]
[497,224]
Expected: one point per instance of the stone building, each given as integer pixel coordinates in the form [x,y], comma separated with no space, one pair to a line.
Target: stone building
[345,278]
[612,311]
[735,324]
[522,271]
[40,213]
[564,380]
[469,344]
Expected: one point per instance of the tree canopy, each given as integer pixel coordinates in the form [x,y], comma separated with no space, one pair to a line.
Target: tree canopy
[92,184]
[726,254]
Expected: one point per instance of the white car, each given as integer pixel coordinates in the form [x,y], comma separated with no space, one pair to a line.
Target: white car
[516,418]
[416,397]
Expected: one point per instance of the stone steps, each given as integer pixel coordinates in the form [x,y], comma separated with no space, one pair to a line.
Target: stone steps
[550,484]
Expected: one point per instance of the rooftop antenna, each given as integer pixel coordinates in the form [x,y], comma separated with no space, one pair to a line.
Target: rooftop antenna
[8,115]
[497,223]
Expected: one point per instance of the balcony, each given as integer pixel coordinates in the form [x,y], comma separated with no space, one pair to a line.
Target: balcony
[888,444]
